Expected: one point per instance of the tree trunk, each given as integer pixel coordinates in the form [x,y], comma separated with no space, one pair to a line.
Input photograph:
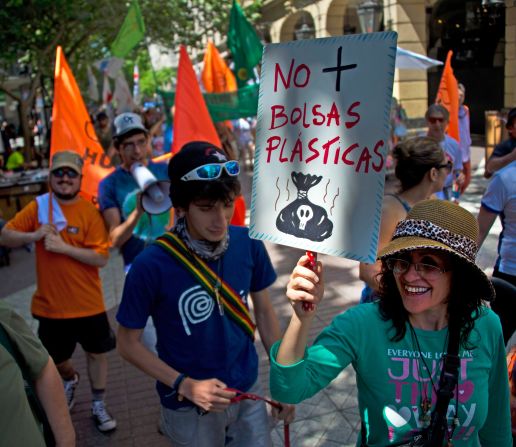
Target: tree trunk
[24,110]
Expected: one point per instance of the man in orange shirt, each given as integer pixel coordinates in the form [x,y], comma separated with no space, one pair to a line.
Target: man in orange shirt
[71,244]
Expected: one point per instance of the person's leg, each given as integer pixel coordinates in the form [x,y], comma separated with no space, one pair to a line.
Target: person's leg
[97,370]
[185,427]
[97,338]
[59,339]
[252,426]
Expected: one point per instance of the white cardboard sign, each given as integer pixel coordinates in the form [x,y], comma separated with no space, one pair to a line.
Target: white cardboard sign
[322,143]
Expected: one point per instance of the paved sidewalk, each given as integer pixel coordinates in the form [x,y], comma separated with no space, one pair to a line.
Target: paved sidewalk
[328,419]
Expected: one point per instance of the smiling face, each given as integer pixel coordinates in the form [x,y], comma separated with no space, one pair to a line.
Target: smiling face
[207,220]
[425,293]
[65,183]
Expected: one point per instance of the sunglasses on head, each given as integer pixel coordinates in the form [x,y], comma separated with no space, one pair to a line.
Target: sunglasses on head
[61,172]
[448,166]
[433,120]
[212,171]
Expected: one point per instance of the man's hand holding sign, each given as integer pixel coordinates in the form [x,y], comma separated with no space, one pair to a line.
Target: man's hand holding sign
[323,120]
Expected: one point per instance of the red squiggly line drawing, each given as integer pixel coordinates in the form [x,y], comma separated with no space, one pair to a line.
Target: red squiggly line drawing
[333,204]
[288,191]
[279,194]
[325,191]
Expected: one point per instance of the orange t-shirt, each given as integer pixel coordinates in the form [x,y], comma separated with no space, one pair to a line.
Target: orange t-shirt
[67,288]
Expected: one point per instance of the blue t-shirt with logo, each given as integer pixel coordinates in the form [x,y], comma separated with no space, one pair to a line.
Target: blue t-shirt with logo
[192,336]
[119,190]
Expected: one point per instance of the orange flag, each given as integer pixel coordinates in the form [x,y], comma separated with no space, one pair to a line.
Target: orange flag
[216,75]
[448,96]
[72,129]
[192,120]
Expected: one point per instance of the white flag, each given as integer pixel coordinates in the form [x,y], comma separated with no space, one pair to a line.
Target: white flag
[93,89]
[122,95]
[110,66]
[106,91]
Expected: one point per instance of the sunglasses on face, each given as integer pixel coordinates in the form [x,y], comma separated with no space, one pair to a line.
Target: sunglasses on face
[402,266]
[448,166]
[433,120]
[61,172]
[212,171]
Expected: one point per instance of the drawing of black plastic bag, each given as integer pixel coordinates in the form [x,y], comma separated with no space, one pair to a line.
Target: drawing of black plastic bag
[302,218]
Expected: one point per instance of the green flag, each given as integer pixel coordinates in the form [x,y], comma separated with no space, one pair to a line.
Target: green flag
[131,32]
[244,44]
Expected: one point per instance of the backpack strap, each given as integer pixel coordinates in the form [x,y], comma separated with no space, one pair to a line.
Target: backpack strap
[210,281]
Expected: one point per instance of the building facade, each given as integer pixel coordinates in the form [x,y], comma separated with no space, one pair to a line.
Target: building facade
[481,34]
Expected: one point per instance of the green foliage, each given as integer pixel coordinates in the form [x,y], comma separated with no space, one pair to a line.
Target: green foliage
[86,29]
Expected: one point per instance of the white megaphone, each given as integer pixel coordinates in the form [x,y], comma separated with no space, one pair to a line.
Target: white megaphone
[155,198]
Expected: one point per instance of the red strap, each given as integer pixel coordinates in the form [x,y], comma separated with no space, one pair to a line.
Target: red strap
[240,395]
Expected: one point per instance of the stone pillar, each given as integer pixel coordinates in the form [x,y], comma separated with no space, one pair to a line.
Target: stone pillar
[510,56]
[408,19]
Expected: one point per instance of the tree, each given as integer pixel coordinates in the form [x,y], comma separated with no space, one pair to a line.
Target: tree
[86,29]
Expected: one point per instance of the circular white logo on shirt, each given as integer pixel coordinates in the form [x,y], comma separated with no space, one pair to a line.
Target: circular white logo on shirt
[195,306]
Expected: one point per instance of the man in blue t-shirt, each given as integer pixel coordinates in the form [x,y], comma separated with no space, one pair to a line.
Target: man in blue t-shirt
[438,118]
[129,226]
[205,350]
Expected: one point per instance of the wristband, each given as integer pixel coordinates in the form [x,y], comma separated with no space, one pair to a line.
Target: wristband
[177,384]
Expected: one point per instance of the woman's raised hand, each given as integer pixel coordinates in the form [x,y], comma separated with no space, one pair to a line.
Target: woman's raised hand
[305,285]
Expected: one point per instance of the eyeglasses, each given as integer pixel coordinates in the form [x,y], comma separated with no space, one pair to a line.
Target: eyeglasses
[433,120]
[131,145]
[401,266]
[61,172]
[212,171]
[448,166]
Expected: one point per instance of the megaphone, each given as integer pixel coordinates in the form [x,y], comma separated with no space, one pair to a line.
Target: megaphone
[155,198]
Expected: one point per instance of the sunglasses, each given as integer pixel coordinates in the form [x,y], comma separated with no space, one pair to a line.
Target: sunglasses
[448,166]
[212,171]
[61,172]
[433,120]
[401,266]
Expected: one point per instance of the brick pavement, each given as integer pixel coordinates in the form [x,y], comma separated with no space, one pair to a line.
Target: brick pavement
[328,419]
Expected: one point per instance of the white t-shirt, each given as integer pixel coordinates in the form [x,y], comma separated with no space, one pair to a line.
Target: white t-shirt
[500,198]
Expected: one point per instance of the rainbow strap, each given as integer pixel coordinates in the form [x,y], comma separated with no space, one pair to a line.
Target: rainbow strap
[231,301]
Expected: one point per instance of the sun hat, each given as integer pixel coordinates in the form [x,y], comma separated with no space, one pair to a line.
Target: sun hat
[441,225]
[128,122]
[67,159]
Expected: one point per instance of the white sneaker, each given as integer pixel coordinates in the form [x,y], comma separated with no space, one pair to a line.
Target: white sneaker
[103,420]
[69,389]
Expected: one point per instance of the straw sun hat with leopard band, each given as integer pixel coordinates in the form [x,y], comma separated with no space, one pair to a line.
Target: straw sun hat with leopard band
[441,225]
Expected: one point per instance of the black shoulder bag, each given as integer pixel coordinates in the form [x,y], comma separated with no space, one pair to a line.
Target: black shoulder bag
[433,436]
[35,404]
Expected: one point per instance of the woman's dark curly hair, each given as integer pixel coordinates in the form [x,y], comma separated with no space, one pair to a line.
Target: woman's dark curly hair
[225,189]
[464,301]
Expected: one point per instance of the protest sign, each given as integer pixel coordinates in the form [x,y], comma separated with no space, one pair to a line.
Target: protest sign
[323,128]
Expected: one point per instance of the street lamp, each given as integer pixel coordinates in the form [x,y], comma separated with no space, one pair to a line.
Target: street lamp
[305,31]
[370,14]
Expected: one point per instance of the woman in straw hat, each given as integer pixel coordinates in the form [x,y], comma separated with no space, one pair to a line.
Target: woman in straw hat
[430,317]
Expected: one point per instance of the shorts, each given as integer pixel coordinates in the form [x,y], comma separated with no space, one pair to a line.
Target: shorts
[60,336]
[242,424]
